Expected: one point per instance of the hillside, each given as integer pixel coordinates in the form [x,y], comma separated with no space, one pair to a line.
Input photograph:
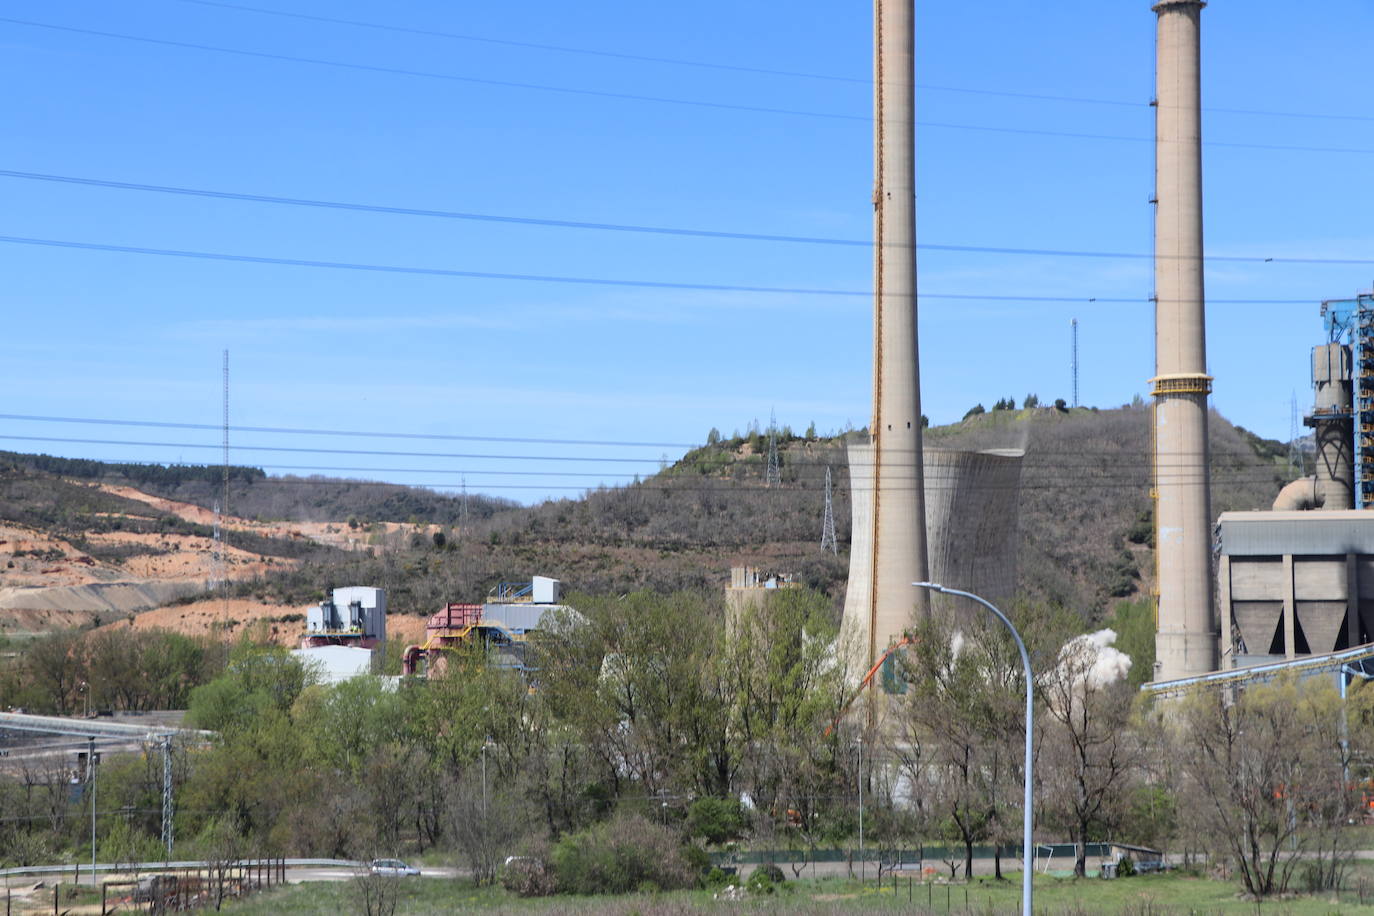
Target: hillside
[1084,518]
[74,552]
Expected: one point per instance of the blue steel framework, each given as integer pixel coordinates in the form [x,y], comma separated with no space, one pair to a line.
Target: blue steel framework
[1351,322]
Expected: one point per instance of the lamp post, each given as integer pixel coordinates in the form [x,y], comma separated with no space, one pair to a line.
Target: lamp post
[90,776]
[1027,848]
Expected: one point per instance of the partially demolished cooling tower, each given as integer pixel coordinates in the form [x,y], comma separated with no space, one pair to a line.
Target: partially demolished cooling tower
[971,501]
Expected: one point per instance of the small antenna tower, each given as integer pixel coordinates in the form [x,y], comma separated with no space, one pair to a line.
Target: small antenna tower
[463,570]
[223,504]
[828,526]
[1073,328]
[774,473]
[1297,465]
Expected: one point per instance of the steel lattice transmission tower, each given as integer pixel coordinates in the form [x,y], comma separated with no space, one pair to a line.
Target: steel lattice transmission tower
[828,526]
[773,475]
[167,802]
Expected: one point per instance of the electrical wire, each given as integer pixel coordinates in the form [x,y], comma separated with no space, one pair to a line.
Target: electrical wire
[626,227]
[596,281]
[627,96]
[738,68]
[351,433]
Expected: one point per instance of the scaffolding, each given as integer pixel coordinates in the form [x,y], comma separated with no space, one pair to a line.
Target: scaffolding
[1351,322]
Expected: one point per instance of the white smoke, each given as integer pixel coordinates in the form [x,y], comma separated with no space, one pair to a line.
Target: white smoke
[1091,660]
[1087,662]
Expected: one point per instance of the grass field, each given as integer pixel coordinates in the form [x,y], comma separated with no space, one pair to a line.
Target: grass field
[1153,895]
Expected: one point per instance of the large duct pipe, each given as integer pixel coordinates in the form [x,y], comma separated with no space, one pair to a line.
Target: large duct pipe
[1186,642]
[1300,495]
[898,530]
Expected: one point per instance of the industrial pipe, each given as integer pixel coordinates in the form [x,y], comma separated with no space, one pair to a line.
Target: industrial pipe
[1301,494]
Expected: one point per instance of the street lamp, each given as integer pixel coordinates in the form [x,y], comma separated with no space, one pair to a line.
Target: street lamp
[860,766]
[1027,849]
[90,776]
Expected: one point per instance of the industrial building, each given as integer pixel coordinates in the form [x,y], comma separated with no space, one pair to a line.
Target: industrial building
[501,625]
[1299,580]
[343,633]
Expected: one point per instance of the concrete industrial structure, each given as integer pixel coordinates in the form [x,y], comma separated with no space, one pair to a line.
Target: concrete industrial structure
[343,632]
[1299,580]
[895,528]
[1186,640]
[501,625]
[971,501]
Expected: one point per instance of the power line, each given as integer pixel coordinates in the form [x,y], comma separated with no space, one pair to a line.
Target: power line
[628,227]
[429,74]
[325,451]
[565,49]
[635,97]
[592,281]
[1050,471]
[351,433]
[738,68]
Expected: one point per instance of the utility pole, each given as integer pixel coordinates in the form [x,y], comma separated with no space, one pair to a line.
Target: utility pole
[90,777]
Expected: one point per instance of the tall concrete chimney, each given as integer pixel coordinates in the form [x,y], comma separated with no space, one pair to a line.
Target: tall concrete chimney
[898,532]
[1186,641]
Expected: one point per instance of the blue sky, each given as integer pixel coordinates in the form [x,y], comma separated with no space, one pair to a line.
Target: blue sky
[101,334]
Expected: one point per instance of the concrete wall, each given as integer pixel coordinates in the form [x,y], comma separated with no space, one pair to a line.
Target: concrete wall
[1295,583]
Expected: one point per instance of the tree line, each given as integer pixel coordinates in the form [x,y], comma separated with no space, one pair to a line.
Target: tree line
[675,719]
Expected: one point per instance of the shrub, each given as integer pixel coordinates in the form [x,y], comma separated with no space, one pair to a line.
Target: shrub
[715,820]
[697,858]
[765,879]
[528,876]
[1125,868]
[621,856]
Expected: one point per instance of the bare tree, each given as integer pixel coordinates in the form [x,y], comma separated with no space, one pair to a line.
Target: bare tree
[486,820]
[1265,779]
[1088,753]
[375,895]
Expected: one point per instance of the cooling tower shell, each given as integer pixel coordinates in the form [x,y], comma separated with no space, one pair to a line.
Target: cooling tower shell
[972,505]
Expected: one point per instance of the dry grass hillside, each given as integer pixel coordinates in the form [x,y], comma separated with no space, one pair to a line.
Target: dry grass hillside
[1084,522]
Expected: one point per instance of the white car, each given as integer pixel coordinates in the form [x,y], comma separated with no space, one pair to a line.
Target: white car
[393,868]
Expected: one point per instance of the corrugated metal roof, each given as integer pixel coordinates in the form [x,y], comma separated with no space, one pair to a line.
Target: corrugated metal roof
[1312,533]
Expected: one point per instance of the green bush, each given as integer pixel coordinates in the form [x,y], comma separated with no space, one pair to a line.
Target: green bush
[715,820]
[621,856]
[1125,868]
[765,879]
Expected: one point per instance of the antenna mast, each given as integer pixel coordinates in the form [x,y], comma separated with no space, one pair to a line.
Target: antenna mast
[1073,326]
[223,504]
[1297,465]
[774,473]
